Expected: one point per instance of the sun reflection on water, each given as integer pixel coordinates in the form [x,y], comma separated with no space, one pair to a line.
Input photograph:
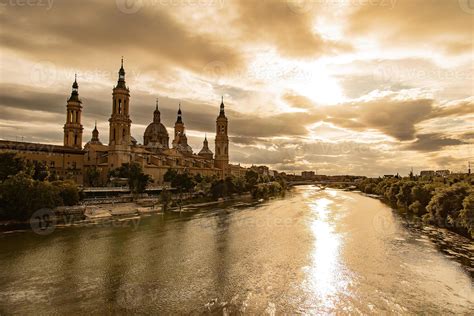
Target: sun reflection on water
[327,280]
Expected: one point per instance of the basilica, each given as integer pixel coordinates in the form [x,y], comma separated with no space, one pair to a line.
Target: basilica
[156,156]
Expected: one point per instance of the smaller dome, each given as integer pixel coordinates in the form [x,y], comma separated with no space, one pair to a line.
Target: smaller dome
[156,136]
[156,129]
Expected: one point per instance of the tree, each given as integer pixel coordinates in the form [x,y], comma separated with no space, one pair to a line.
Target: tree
[421,193]
[170,175]
[137,179]
[404,194]
[92,176]
[68,192]
[446,204]
[252,178]
[10,165]
[466,215]
[182,181]
[21,196]
[39,171]
[239,184]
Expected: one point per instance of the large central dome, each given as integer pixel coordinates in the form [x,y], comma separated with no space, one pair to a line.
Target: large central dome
[156,135]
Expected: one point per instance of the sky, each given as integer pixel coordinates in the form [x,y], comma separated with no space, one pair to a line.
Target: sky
[364,87]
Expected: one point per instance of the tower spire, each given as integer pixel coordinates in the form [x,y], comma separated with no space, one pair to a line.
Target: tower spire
[156,114]
[179,118]
[222,110]
[121,80]
[75,90]
[73,127]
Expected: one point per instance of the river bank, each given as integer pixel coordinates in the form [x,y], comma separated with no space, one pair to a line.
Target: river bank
[453,245]
[91,212]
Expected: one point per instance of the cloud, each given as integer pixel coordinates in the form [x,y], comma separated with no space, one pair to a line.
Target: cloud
[276,23]
[409,23]
[298,101]
[433,142]
[72,34]
[455,108]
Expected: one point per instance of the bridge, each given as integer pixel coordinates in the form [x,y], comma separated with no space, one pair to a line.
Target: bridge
[323,183]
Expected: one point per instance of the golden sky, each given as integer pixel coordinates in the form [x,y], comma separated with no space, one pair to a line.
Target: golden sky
[338,86]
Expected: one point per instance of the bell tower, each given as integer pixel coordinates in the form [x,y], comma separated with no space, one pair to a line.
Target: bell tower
[73,127]
[120,123]
[221,160]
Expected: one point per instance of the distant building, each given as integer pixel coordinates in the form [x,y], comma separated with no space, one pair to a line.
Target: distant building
[443,173]
[261,170]
[427,173]
[308,175]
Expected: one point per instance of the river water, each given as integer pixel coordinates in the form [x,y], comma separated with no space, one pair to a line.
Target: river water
[312,252]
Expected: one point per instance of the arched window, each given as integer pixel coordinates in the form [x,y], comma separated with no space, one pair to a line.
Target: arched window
[120,107]
[113,134]
[75,139]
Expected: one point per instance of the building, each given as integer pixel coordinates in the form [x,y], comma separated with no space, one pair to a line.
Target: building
[442,173]
[427,173]
[155,156]
[308,175]
[65,162]
[261,170]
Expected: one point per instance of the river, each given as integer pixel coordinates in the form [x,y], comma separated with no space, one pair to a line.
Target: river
[312,252]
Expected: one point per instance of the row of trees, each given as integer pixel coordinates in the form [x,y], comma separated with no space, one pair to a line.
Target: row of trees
[260,186]
[28,187]
[441,202]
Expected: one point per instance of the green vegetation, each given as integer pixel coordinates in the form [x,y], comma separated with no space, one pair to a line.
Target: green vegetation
[26,188]
[137,179]
[92,176]
[443,202]
[212,187]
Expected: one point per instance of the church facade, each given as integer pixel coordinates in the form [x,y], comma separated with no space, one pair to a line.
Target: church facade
[156,155]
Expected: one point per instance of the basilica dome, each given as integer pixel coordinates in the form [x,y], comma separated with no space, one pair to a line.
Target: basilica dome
[156,135]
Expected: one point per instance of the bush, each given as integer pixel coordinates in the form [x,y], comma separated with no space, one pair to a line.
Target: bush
[21,196]
[467,214]
[68,191]
[446,205]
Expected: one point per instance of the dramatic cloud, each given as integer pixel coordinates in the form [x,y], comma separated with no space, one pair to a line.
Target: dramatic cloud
[445,24]
[433,142]
[364,87]
[73,34]
[281,24]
